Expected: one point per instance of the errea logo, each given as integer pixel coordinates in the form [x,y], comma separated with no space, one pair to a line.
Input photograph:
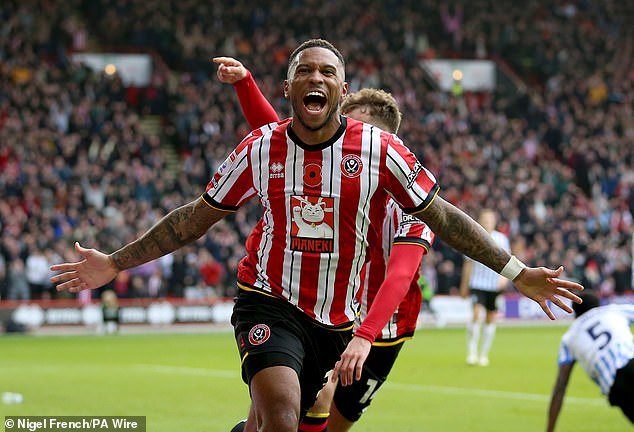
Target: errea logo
[276,170]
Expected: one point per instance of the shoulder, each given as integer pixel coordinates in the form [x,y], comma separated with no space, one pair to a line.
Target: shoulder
[499,235]
[267,131]
[276,126]
[626,310]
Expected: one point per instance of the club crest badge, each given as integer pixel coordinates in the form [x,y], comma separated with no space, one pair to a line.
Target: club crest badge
[351,166]
[259,334]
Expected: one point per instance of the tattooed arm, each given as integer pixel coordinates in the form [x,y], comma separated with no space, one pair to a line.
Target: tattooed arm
[175,230]
[465,235]
[178,228]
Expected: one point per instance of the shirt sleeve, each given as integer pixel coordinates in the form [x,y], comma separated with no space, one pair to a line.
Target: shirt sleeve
[565,355]
[412,230]
[232,184]
[256,109]
[411,185]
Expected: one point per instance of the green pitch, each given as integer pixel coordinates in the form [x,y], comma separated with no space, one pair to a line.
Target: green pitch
[190,382]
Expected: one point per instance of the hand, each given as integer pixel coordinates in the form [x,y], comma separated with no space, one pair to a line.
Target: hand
[230,70]
[541,284]
[95,270]
[352,360]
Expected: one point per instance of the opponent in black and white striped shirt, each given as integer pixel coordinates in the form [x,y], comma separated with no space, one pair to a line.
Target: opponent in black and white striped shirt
[484,285]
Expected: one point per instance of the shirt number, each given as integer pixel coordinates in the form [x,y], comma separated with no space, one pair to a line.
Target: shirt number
[369,394]
[596,334]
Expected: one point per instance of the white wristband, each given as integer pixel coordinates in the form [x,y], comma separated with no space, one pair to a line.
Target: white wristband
[513,268]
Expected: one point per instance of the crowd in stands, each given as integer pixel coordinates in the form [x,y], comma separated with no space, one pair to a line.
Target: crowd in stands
[555,157]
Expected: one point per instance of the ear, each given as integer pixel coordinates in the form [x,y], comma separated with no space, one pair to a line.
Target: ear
[344,92]
[286,89]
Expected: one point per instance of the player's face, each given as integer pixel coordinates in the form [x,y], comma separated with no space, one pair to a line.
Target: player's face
[488,220]
[315,88]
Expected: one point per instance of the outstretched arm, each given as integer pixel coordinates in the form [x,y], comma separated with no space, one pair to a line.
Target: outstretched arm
[557,397]
[256,109]
[178,228]
[465,235]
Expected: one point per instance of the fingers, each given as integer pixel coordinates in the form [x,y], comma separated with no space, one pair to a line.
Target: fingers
[565,284]
[229,70]
[227,61]
[230,74]
[334,374]
[66,276]
[555,273]
[557,301]
[345,375]
[347,369]
[80,250]
[73,285]
[359,370]
[338,372]
[64,267]
[547,310]
[567,294]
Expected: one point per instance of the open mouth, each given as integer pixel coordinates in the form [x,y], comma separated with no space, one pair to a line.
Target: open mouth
[315,101]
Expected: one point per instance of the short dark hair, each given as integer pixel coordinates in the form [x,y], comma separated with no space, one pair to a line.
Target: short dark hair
[381,106]
[590,301]
[315,43]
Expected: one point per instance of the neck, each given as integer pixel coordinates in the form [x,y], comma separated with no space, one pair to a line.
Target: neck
[313,137]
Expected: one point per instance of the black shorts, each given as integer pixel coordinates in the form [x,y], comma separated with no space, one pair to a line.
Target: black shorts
[354,399]
[271,332]
[485,298]
[622,391]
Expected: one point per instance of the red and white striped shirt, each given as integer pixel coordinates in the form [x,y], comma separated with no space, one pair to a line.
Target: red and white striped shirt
[398,228]
[319,203]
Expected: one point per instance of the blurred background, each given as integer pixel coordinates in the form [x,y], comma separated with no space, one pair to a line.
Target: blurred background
[111,116]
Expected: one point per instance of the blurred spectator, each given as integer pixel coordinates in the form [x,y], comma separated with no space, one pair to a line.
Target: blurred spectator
[448,278]
[4,286]
[554,158]
[37,274]
[18,282]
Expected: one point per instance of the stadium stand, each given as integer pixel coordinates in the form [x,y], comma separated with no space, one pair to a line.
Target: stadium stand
[78,161]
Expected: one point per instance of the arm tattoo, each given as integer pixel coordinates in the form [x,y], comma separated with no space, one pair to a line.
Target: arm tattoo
[178,228]
[464,234]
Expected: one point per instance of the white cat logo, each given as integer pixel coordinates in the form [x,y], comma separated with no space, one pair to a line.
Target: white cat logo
[309,219]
